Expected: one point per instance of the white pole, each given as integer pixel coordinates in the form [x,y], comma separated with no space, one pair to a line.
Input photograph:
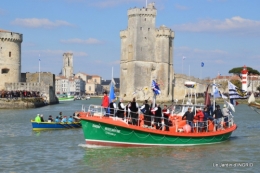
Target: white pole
[39,69]
[112,73]
[146,3]
[182,66]
[213,95]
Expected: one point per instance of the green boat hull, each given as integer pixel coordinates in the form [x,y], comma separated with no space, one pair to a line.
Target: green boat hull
[99,133]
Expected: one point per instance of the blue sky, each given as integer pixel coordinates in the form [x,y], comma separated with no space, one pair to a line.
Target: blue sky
[221,33]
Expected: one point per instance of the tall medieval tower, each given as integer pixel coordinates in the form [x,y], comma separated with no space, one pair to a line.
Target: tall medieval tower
[146,55]
[67,69]
[10,57]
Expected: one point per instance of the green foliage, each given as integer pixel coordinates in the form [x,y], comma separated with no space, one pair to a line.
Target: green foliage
[237,83]
[238,70]
[258,88]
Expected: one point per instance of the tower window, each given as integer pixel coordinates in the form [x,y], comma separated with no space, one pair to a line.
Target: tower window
[141,28]
[148,29]
[144,19]
[10,54]
[5,70]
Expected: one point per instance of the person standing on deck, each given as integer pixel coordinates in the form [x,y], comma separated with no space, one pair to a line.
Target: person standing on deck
[226,113]
[146,111]
[121,107]
[112,108]
[158,116]
[134,112]
[217,115]
[200,117]
[105,103]
[166,114]
[189,118]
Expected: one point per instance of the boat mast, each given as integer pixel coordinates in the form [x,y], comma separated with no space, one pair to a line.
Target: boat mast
[213,95]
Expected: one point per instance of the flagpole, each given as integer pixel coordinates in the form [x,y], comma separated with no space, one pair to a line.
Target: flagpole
[39,69]
[182,65]
[146,3]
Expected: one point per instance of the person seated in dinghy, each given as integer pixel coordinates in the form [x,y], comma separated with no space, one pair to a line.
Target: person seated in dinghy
[70,120]
[50,119]
[64,119]
[57,119]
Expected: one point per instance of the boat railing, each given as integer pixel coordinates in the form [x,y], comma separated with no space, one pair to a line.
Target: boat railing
[153,122]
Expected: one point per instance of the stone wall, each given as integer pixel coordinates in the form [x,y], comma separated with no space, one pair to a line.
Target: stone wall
[179,88]
[10,57]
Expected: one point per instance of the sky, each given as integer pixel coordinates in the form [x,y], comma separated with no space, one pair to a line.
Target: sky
[222,34]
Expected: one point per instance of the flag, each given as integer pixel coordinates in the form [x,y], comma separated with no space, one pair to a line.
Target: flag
[235,92]
[216,92]
[112,95]
[202,64]
[207,97]
[155,88]
[222,95]
[39,59]
[183,58]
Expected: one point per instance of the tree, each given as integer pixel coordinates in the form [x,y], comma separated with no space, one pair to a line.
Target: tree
[258,88]
[224,85]
[238,70]
[237,83]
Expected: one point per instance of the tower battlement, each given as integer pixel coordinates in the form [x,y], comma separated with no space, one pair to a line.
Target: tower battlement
[149,11]
[164,31]
[10,36]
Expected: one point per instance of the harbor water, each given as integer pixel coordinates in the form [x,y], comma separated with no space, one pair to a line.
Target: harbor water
[24,150]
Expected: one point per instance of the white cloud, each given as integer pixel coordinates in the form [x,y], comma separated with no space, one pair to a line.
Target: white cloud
[80,41]
[237,25]
[181,7]
[39,23]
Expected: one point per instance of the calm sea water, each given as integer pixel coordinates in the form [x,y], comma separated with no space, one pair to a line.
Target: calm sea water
[23,150]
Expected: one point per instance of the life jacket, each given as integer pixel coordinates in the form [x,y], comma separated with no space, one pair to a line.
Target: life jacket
[112,109]
[164,113]
[133,107]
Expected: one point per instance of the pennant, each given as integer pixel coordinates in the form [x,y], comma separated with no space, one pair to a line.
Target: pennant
[183,58]
[202,64]
[207,97]
[216,92]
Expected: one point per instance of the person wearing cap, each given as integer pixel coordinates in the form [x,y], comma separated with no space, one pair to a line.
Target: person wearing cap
[105,103]
[226,114]
[37,118]
[217,115]
[50,119]
[42,119]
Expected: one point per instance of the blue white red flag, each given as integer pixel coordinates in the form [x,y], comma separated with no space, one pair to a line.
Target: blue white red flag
[155,88]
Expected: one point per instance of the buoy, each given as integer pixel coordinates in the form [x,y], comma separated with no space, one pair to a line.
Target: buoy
[186,128]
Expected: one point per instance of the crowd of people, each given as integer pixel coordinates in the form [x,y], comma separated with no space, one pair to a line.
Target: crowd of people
[155,115]
[19,94]
[59,119]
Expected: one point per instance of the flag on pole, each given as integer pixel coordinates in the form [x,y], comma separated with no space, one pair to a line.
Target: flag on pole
[112,95]
[155,88]
[183,58]
[235,92]
[202,64]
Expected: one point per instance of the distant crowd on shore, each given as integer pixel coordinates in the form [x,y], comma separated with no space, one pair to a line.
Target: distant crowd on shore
[19,94]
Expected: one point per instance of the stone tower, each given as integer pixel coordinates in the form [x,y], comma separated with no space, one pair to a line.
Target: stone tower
[67,69]
[10,57]
[146,55]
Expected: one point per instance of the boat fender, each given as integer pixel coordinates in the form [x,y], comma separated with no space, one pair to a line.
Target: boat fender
[163,125]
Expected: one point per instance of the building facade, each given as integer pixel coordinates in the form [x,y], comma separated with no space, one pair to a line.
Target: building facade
[146,55]
[10,57]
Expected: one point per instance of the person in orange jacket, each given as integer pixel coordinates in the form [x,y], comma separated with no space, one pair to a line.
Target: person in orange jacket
[199,116]
[105,103]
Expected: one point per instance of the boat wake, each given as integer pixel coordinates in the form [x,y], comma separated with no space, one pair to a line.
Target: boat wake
[92,146]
